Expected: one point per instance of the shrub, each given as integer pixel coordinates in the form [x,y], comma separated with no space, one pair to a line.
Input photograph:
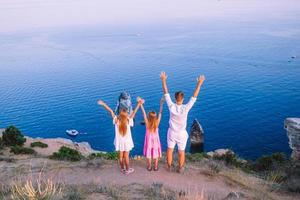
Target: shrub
[73,194]
[107,156]
[12,136]
[279,157]
[263,163]
[196,157]
[231,159]
[21,150]
[66,153]
[275,176]
[271,162]
[39,144]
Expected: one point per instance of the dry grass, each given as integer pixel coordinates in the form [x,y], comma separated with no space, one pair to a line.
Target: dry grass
[259,188]
[35,188]
[155,191]
[199,194]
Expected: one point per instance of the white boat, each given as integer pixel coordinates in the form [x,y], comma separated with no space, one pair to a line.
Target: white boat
[72,132]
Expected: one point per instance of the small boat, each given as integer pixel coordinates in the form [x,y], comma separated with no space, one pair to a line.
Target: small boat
[72,132]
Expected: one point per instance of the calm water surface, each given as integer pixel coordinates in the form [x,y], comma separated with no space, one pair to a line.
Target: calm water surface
[50,80]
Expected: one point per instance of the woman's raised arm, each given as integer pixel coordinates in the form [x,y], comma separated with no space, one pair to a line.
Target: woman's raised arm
[101,103]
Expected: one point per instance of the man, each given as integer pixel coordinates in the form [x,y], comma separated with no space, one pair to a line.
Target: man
[177,133]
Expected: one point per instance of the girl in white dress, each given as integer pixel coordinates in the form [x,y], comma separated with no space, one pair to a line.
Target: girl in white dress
[123,139]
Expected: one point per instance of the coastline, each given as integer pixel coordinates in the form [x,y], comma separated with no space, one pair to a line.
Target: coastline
[54,144]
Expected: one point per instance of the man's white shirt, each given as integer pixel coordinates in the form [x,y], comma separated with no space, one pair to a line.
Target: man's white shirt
[178,113]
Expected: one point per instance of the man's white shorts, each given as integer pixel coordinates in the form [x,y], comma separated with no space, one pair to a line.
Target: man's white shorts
[177,137]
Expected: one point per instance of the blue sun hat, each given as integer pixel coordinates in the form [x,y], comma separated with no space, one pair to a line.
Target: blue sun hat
[124,102]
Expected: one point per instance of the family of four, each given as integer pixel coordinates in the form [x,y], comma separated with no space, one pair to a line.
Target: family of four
[177,133]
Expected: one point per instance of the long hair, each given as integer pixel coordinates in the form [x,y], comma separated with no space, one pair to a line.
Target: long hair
[123,122]
[152,121]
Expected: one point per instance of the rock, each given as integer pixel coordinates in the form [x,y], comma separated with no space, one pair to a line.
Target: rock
[222,152]
[1,131]
[196,137]
[292,125]
[219,152]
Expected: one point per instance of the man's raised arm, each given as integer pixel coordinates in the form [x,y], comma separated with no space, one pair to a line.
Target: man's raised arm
[200,81]
[163,77]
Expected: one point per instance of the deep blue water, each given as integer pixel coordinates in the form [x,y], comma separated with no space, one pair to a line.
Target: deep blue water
[50,80]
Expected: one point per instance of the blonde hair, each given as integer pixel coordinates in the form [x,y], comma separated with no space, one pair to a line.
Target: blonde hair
[152,121]
[123,122]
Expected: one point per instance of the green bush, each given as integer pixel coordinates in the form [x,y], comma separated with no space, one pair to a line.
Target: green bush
[107,156]
[196,157]
[39,144]
[66,153]
[21,150]
[263,163]
[231,159]
[270,162]
[12,137]
[279,157]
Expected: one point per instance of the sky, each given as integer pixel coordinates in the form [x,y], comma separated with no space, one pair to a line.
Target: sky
[24,15]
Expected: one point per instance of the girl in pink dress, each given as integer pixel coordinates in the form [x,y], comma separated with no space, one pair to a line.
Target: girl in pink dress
[152,146]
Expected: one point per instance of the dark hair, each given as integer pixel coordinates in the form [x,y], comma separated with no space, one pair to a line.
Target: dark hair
[179,95]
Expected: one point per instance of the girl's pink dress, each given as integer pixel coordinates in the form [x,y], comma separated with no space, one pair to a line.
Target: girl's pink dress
[152,146]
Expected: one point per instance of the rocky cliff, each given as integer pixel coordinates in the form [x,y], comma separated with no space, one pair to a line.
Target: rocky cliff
[292,125]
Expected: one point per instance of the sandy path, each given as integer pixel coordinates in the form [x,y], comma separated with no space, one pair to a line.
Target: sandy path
[110,174]
[103,172]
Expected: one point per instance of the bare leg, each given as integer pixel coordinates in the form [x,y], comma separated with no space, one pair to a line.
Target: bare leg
[156,164]
[126,159]
[169,157]
[121,159]
[149,164]
[181,159]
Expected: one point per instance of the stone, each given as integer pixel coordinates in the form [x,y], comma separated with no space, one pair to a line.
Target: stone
[292,126]
[196,137]
[1,131]
[221,152]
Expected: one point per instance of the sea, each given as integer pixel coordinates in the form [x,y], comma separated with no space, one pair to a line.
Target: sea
[51,79]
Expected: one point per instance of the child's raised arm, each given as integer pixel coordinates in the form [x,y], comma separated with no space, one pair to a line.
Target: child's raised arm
[144,115]
[101,103]
[135,110]
[162,100]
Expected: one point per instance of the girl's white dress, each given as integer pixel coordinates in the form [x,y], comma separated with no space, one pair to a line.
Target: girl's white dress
[123,143]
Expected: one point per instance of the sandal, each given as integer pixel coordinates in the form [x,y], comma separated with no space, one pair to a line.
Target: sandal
[129,171]
[156,168]
[149,168]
